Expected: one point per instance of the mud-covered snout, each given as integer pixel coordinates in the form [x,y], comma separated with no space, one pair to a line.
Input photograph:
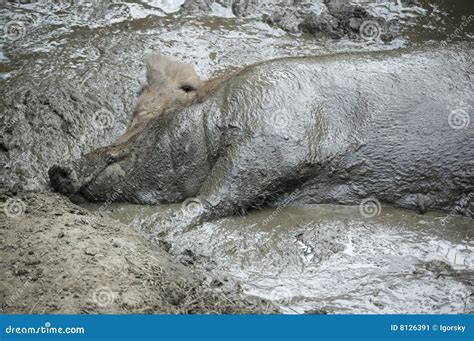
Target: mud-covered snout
[91,177]
[64,180]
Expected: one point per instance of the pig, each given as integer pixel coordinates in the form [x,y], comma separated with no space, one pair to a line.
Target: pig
[327,129]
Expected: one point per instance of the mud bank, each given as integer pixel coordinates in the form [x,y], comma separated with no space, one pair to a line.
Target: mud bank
[56,257]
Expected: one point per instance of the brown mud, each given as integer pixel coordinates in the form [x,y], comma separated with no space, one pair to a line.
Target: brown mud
[56,257]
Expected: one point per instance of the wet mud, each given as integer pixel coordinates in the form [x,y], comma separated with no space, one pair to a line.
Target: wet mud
[70,74]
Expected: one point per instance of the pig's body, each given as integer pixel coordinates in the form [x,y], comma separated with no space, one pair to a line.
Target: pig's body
[336,128]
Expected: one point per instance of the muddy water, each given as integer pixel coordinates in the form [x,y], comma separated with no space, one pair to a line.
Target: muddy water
[312,258]
[327,258]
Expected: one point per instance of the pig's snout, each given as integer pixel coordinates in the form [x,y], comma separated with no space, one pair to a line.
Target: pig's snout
[63,179]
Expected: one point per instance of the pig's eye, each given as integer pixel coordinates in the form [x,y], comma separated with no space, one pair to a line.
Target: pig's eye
[187,88]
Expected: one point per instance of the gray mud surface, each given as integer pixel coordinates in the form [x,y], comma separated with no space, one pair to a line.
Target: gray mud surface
[329,258]
[70,73]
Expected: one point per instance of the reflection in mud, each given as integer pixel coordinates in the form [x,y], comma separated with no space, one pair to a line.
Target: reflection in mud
[328,258]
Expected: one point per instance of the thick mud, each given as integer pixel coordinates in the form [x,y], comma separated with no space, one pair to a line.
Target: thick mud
[70,73]
[328,258]
[56,257]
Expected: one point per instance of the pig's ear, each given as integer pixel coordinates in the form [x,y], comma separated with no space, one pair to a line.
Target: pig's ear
[165,71]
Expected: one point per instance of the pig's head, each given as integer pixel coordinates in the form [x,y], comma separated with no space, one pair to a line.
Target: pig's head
[169,82]
[146,164]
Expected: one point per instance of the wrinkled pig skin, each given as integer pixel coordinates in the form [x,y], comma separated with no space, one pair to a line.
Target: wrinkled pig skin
[327,129]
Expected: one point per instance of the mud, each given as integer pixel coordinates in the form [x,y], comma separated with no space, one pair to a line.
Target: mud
[68,83]
[328,258]
[56,257]
[70,72]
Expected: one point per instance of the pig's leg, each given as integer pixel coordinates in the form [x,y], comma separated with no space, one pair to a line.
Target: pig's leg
[246,175]
[247,172]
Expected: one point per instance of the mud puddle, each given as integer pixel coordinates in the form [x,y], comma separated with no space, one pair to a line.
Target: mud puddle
[330,259]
